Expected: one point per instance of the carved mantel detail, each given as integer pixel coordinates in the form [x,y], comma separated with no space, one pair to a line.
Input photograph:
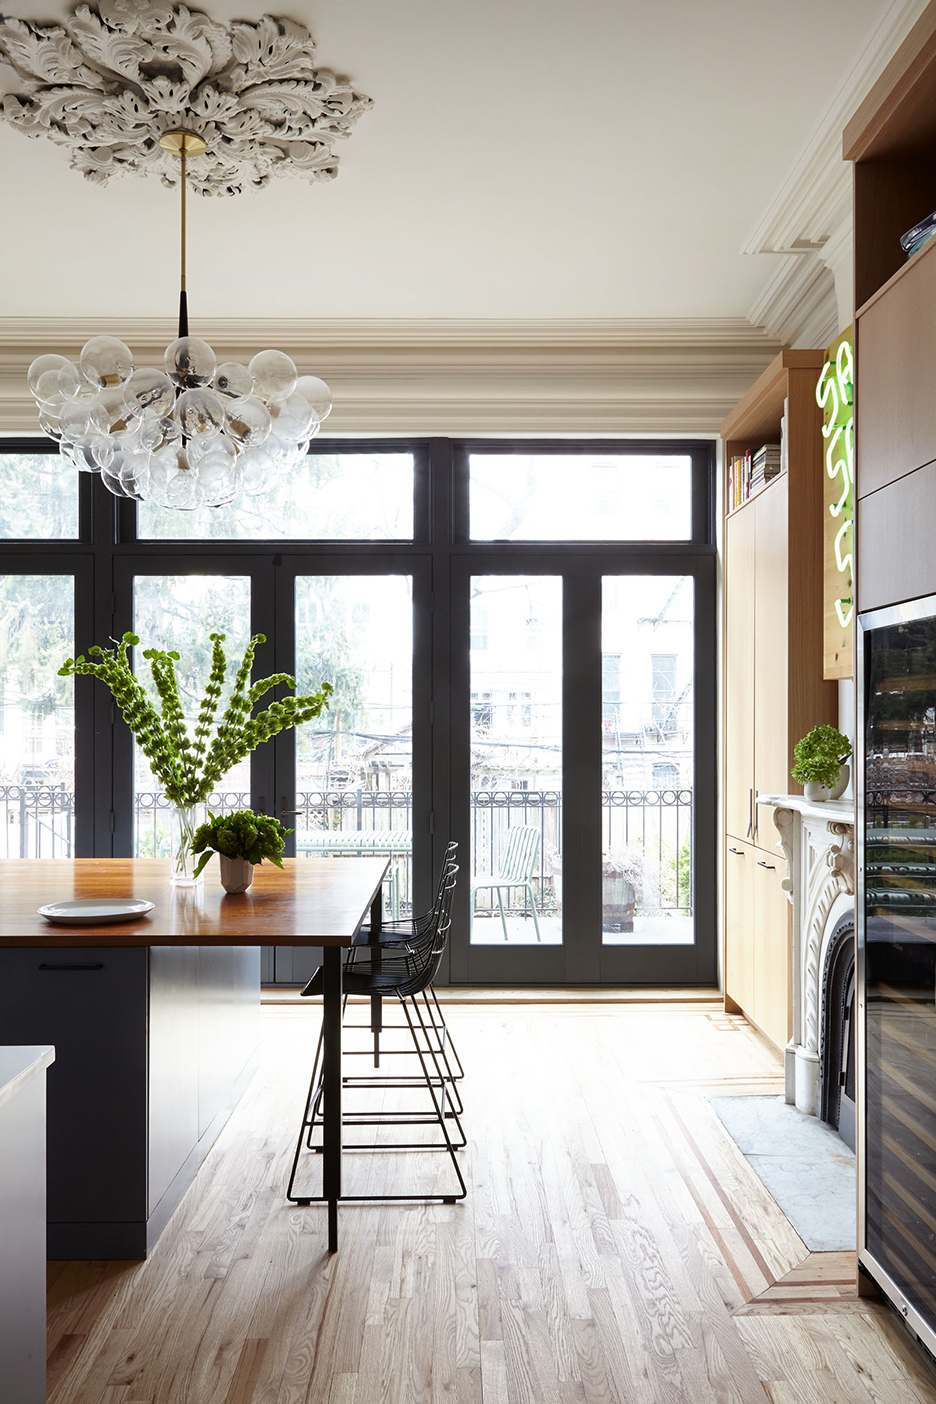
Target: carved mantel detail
[819,849]
[785,821]
[841,857]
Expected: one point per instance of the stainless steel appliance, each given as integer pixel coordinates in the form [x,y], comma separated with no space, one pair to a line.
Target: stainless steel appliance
[896,921]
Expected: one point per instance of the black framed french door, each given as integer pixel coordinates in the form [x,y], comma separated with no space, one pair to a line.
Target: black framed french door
[358,780]
[583,760]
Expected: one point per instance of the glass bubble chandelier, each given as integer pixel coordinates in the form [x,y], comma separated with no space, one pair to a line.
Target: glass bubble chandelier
[192,433]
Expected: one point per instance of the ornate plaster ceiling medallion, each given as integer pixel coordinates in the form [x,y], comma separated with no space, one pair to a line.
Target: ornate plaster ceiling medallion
[109,83]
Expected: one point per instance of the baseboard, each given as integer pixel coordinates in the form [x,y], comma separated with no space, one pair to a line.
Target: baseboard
[546,994]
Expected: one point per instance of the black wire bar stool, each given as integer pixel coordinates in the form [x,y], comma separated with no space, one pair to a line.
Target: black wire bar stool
[376,944]
[384,1081]
[403,971]
[390,934]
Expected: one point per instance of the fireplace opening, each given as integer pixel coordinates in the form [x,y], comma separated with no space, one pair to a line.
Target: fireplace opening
[837,1037]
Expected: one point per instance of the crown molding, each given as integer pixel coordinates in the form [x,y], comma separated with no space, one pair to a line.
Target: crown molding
[798,304]
[411,331]
[810,217]
[817,191]
[459,377]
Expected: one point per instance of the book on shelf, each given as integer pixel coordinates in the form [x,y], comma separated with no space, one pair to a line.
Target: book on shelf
[749,472]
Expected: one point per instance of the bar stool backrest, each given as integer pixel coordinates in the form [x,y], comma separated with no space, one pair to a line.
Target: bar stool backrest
[427,950]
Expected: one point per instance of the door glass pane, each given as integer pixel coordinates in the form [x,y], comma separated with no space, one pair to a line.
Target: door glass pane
[180,612]
[37,716]
[580,497]
[328,497]
[38,498]
[516,759]
[354,763]
[647,641]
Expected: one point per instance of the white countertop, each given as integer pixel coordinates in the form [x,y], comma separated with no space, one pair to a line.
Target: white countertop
[20,1064]
[830,810]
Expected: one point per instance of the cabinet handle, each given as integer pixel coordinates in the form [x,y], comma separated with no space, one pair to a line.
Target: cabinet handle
[750,812]
[98,965]
[771,866]
[739,851]
[756,817]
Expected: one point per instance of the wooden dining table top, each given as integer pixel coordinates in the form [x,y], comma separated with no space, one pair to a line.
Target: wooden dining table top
[311,902]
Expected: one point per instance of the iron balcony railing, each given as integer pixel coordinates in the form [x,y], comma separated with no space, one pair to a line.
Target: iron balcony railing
[644,832]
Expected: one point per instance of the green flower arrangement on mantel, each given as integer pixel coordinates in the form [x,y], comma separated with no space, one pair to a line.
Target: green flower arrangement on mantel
[244,835]
[818,759]
[189,767]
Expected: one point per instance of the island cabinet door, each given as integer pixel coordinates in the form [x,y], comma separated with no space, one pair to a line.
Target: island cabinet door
[90,1002]
[173,1064]
[228,1027]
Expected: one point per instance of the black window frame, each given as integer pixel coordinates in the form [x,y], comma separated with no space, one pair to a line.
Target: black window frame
[107,551]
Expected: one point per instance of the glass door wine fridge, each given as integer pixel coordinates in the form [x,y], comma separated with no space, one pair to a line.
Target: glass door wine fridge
[897,958]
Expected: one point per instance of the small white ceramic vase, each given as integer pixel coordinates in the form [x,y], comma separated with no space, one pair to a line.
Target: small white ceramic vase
[236,873]
[818,794]
[839,789]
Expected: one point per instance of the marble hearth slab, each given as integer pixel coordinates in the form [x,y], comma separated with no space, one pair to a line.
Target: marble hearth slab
[803,1164]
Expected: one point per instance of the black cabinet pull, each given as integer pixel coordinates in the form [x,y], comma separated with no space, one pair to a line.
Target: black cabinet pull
[99,965]
[739,851]
[771,866]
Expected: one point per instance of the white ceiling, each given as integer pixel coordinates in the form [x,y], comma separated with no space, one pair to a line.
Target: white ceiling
[525,159]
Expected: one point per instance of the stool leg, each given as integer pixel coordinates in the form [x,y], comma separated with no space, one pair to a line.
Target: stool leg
[448,1036]
[331,1086]
[447,1081]
[439,1110]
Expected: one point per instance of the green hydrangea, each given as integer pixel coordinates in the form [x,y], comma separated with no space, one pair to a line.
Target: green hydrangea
[240,835]
[820,755]
[189,767]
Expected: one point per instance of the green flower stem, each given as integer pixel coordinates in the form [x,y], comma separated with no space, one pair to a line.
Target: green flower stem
[188,769]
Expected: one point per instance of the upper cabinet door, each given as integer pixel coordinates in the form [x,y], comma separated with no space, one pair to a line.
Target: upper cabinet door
[772,645]
[739,679]
[896,410]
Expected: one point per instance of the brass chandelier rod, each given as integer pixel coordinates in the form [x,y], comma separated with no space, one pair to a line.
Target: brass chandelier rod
[183,144]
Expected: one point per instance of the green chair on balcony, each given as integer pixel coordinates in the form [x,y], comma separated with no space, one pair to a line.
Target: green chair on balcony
[516,870]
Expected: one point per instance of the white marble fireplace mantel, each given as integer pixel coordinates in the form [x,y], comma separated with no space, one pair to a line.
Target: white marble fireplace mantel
[818,843]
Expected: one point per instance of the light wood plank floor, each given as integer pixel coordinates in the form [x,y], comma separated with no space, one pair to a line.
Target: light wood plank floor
[615,1246]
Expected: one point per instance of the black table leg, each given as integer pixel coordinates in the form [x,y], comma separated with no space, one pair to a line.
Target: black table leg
[331,1088]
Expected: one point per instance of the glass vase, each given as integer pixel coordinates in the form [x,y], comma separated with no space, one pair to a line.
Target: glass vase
[184,819]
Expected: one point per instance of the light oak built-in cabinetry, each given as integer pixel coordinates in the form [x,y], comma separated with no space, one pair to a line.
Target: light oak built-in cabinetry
[892,140]
[773,687]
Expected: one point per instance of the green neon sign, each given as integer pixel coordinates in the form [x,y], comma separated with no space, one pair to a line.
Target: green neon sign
[835,394]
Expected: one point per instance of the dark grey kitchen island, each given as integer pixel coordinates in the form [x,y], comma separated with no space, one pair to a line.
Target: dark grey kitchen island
[155,1024]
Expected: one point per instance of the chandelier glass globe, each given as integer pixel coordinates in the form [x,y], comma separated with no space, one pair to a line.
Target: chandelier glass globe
[190,433]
